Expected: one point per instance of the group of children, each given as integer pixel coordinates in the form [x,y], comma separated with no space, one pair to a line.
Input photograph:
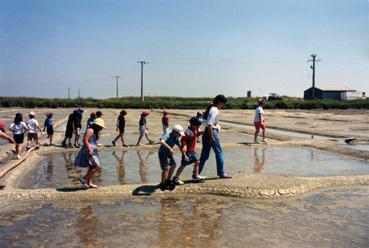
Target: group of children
[20,128]
[186,140]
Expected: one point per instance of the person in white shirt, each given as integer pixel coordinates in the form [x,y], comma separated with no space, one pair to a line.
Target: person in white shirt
[259,121]
[32,125]
[18,127]
[211,137]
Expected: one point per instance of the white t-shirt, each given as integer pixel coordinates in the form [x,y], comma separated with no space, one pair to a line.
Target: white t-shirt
[18,128]
[213,117]
[32,125]
[259,110]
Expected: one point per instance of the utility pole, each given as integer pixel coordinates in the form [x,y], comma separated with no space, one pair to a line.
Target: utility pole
[79,95]
[314,60]
[116,85]
[142,64]
[69,93]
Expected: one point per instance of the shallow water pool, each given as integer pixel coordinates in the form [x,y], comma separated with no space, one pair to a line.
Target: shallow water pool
[332,218]
[129,167]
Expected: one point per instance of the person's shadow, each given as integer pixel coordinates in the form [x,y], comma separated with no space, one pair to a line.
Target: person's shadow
[145,190]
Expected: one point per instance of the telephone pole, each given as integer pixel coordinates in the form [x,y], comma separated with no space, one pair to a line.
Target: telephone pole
[79,95]
[314,60]
[69,93]
[116,85]
[142,64]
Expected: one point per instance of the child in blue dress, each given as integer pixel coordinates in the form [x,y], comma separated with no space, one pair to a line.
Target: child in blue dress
[88,155]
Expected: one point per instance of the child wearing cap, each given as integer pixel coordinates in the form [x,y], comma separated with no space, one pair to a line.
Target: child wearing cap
[259,121]
[3,135]
[189,156]
[143,128]
[165,122]
[88,155]
[121,124]
[32,135]
[49,127]
[18,127]
[167,162]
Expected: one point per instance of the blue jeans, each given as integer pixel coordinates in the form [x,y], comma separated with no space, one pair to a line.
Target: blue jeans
[219,156]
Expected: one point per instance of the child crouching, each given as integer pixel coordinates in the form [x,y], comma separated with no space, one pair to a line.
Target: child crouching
[167,162]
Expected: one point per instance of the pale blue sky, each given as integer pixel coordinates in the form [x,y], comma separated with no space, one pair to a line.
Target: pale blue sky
[194,47]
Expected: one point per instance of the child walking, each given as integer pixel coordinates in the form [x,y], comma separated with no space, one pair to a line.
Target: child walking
[121,124]
[211,139]
[32,135]
[167,162]
[49,127]
[18,127]
[259,121]
[143,128]
[189,155]
[165,122]
[88,155]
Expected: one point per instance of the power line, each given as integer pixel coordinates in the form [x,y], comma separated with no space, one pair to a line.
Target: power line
[142,64]
[116,85]
[314,60]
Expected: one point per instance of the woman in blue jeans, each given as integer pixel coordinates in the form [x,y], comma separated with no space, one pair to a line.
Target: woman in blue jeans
[211,136]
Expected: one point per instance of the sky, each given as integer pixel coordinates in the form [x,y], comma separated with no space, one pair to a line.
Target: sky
[194,48]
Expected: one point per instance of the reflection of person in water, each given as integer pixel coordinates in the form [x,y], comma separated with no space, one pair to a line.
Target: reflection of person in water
[87,227]
[120,168]
[143,165]
[71,171]
[49,168]
[188,223]
[259,164]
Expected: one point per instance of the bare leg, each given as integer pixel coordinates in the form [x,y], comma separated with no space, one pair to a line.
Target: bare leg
[263,134]
[139,139]
[147,137]
[91,171]
[122,139]
[171,171]
[256,135]
[18,149]
[29,141]
[116,138]
[180,170]
[164,175]
[196,168]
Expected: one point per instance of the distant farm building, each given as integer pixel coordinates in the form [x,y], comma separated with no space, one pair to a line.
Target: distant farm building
[328,92]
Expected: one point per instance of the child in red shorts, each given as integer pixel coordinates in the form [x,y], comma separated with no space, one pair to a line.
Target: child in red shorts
[259,121]
[189,156]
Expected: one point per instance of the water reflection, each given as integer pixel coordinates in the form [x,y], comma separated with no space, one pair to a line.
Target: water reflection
[49,171]
[188,223]
[143,161]
[121,172]
[86,227]
[72,172]
[259,164]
